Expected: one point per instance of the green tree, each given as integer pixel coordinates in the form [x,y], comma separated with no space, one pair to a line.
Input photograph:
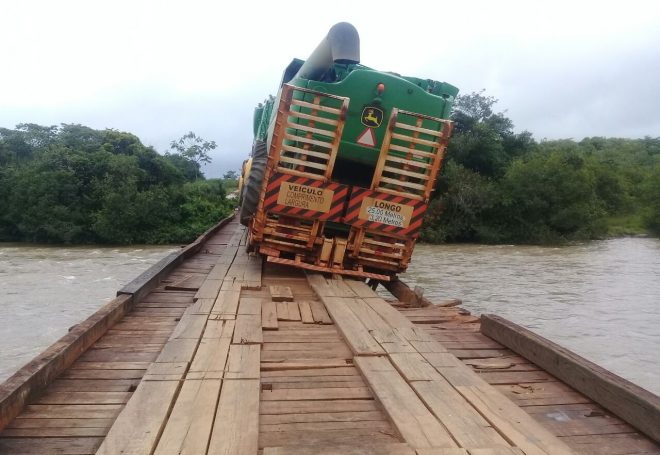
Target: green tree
[194,148]
[549,198]
[74,184]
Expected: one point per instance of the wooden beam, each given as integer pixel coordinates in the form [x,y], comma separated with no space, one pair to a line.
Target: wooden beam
[140,423]
[411,418]
[30,380]
[236,427]
[635,405]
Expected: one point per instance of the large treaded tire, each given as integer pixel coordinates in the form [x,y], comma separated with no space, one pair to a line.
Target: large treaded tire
[252,186]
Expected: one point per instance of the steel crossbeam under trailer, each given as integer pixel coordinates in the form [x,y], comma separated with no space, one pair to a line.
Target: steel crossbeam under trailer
[344,163]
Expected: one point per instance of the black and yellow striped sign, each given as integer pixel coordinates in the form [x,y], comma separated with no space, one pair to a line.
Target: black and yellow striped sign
[385,213]
[304,197]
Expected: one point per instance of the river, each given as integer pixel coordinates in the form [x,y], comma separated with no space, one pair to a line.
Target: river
[44,290]
[601,299]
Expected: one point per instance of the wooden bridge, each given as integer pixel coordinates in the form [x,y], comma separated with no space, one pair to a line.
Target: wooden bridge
[211,351]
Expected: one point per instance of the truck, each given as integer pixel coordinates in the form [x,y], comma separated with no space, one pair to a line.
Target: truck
[344,162]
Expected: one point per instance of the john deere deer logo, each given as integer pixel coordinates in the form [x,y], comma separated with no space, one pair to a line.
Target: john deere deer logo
[372,117]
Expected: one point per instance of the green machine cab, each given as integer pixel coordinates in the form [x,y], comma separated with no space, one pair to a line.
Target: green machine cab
[344,161]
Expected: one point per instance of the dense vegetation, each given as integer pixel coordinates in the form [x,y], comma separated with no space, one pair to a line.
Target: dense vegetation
[73,184]
[498,186]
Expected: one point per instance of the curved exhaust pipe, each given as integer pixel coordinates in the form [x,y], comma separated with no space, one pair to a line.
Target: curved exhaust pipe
[341,45]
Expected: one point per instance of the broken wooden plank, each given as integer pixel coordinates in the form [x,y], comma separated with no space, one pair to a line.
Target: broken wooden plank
[268,315]
[281,294]
[463,422]
[248,329]
[226,302]
[511,421]
[243,362]
[319,313]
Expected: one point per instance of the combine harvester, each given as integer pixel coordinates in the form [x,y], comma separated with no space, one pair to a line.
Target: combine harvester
[344,162]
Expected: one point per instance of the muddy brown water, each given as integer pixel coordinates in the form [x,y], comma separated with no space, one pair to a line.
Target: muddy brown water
[601,299]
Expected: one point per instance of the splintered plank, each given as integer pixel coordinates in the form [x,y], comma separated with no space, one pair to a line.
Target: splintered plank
[413,367]
[358,338]
[137,428]
[463,422]
[188,283]
[211,356]
[281,294]
[386,311]
[306,313]
[190,326]
[369,318]
[392,342]
[512,422]
[268,315]
[248,329]
[243,361]
[414,421]
[319,313]
[226,302]
[236,426]
[342,449]
[180,350]
[189,426]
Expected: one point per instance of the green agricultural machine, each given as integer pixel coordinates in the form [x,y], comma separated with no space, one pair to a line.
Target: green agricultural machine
[344,162]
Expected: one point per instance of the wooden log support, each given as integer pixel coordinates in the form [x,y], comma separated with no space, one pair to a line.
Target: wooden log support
[401,291]
[635,405]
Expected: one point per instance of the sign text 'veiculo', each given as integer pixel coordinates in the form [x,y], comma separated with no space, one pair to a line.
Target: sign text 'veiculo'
[305,197]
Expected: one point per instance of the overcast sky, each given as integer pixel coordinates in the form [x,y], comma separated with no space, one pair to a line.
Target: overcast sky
[158,69]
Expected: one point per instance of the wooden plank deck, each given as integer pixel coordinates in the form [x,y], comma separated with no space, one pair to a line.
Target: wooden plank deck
[220,358]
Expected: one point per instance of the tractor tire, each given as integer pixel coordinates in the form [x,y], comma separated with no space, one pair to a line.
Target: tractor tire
[252,183]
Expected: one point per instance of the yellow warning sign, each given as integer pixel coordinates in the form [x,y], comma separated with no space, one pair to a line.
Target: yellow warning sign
[305,197]
[386,212]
